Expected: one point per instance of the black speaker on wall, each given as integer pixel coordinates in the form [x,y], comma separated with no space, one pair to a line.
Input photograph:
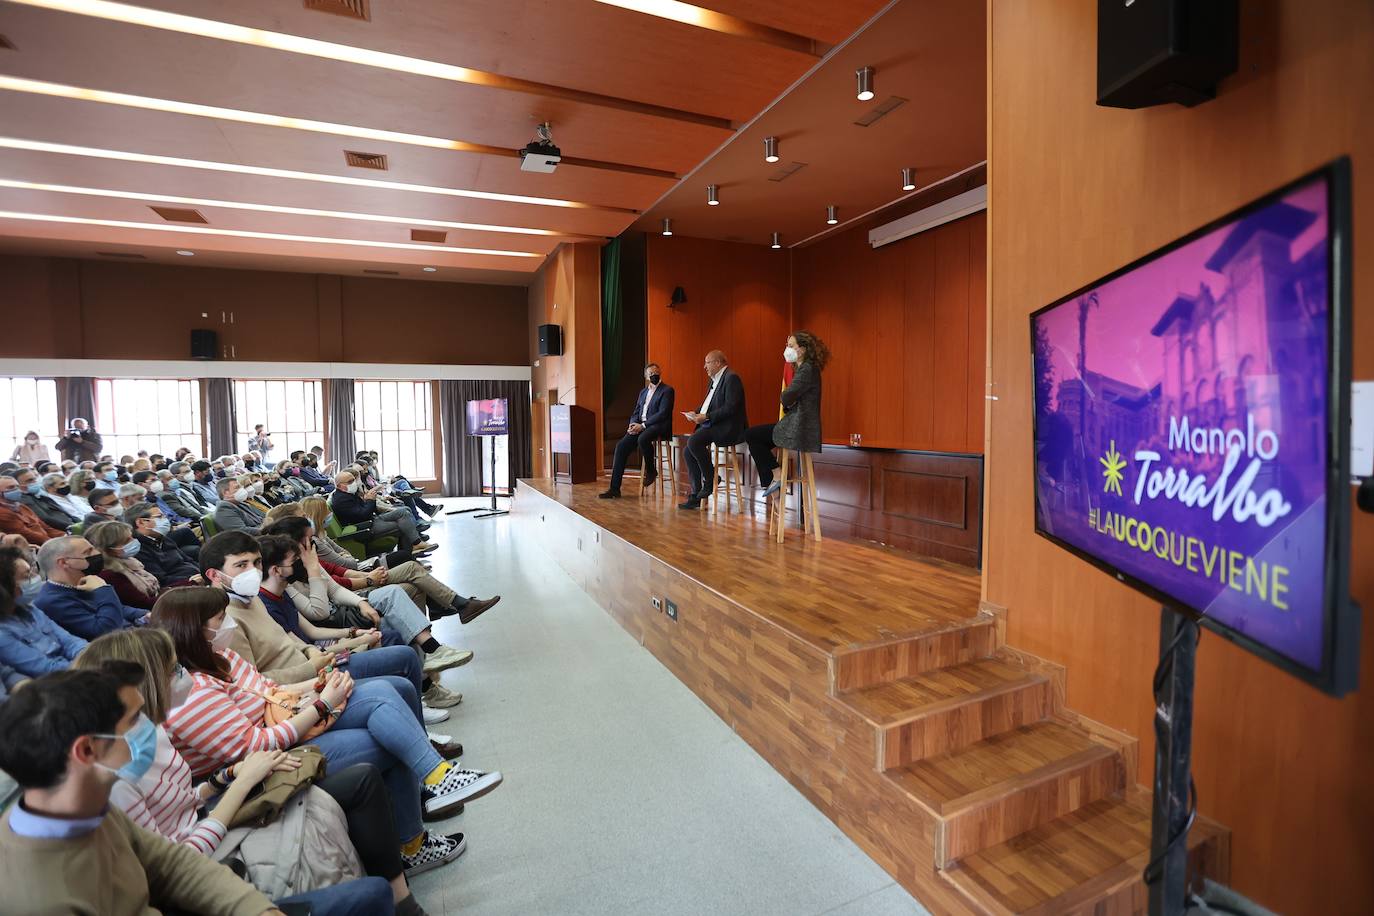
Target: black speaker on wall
[1152,52]
[550,340]
[203,344]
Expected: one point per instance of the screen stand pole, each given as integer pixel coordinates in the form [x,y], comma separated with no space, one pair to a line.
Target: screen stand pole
[1167,873]
[493,512]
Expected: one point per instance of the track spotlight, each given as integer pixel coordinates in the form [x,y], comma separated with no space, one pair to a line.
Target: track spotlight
[712,195]
[667,226]
[865,75]
[908,179]
[770,149]
[777,240]
[830,218]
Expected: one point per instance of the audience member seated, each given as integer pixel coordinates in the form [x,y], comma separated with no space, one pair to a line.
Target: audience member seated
[57,488]
[376,721]
[30,643]
[651,420]
[182,494]
[132,582]
[311,472]
[17,518]
[721,420]
[232,512]
[348,812]
[63,849]
[316,509]
[203,482]
[75,596]
[105,507]
[30,451]
[366,469]
[43,506]
[354,506]
[82,484]
[168,562]
[106,475]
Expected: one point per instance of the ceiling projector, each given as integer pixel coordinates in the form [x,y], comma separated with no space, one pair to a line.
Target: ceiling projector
[540,154]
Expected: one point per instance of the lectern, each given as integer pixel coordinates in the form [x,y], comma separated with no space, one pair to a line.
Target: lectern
[573,443]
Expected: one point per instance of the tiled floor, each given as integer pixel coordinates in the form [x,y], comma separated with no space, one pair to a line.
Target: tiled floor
[623,794]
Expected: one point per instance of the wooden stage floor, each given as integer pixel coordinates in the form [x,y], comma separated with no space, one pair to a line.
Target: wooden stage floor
[872,682]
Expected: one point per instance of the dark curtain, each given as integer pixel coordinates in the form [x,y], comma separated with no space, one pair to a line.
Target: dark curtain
[612,321]
[81,401]
[463,458]
[343,444]
[220,418]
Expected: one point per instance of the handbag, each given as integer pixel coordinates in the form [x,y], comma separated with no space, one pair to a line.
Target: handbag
[264,804]
[283,704]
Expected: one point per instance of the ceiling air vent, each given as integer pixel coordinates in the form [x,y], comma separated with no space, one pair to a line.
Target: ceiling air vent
[126,255]
[787,171]
[881,110]
[365,160]
[428,235]
[353,9]
[179,215]
[6,44]
[382,273]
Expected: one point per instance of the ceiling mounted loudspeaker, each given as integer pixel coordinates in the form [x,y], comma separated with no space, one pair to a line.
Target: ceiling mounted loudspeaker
[777,240]
[830,217]
[667,226]
[770,149]
[712,195]
[865,77]
[908,179]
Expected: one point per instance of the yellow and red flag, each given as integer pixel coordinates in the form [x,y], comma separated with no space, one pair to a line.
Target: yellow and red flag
[788,371]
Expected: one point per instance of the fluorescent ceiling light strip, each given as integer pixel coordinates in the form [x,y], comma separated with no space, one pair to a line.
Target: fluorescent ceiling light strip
[702,18]
[296,44]
[40,146]
[269,236]
[271,208]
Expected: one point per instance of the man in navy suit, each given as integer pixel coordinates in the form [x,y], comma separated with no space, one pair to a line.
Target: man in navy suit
[652,419]
[721,420]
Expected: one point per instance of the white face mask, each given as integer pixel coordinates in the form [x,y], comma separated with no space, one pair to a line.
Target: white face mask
[353,487]
[257,487]
[155,487]
[245,585]
[188,477]
[221,637]
[790,354]
[241,494]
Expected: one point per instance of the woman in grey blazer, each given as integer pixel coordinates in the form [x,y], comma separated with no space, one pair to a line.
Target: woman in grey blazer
[799,427]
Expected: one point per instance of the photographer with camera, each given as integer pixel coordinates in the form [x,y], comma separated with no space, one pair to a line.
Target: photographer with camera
[81,442]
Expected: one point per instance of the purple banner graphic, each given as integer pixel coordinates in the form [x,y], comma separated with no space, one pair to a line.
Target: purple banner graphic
[1180,422]
[488,418]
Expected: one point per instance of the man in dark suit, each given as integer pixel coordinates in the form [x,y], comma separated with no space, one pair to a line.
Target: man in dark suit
[652,420]
[721,420]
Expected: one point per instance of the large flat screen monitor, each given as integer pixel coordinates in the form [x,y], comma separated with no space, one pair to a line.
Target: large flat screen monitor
[488,417]
[1191,426]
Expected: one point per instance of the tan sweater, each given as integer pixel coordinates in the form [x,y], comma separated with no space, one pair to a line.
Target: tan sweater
[279,655]
[118,869]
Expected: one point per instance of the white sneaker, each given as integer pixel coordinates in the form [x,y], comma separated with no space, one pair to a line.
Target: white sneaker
[459,786]
[446,657]
[441,697]
[434,716]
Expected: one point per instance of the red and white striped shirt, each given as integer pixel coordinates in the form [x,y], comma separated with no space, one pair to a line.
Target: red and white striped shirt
[165,802]
[221,723]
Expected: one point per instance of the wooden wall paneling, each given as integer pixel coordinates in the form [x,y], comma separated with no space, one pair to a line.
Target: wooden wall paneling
[330,317]
[977,331]
[951,337]
[889,354]
[443,322]
[918,368]
[1282,765]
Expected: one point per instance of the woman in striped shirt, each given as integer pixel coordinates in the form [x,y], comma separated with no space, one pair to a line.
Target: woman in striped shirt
[166,802]
[224,719]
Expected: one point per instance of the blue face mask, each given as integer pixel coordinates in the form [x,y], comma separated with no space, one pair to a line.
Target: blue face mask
[142,741]
[329,519]
[34,489]
[30,589]
[162,525]
[14,495]
[111,476]
[174,484]
[130,549]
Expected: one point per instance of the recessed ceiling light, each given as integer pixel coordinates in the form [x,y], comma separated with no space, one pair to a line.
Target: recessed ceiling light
[246,234]
[908,179]
[712,196]
[667,226]
[234,167]
[429,270]
[186,254]
[865,78]
[770,149]
[777,240]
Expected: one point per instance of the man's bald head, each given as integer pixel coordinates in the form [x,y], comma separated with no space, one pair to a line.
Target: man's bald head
[715,361]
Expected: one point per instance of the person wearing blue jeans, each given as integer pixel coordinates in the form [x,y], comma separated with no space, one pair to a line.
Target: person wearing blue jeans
[359,897]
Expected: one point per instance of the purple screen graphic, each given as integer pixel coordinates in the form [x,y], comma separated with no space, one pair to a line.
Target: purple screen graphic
[488,418]
[1180,422]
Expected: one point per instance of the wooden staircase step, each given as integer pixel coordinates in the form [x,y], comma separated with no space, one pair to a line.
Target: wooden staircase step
[1087,862]
[856,667]
[989,792]
[948,709]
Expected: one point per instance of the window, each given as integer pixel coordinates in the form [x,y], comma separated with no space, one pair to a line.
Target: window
[28,404]
[397,420]
[155,414]
[289,408]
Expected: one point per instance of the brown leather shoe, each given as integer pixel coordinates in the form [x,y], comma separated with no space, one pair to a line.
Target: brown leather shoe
[475,607]
[449,750]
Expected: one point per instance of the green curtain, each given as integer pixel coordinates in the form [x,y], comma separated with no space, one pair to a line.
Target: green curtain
[612,321]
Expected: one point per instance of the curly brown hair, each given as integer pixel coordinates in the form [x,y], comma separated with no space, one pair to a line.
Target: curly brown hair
[817,353]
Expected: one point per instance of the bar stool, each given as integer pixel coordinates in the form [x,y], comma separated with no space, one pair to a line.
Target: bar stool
[808,515]
[666,459]
[725,461]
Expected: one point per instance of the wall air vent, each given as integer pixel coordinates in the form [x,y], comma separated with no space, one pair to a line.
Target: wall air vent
[365,160]
[125,255]
[785,172]
[428,235]
[179,215]
[353,9]
[881,110]
[382,273]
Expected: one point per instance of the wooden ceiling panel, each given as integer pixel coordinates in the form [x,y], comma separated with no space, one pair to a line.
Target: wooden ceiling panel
[826,20]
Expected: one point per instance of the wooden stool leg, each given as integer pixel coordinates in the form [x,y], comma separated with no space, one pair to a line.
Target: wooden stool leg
[813,511]
[715,477]
[781,529]
[734,480]
[672,463]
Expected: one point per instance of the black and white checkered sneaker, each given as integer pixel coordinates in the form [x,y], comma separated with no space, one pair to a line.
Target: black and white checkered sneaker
[436,850]
[459,786]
